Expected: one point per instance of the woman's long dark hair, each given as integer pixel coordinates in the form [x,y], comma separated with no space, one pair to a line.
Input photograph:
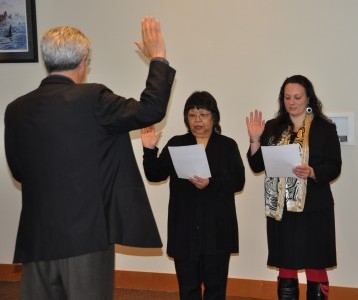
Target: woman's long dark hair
[282,119]
[206,101]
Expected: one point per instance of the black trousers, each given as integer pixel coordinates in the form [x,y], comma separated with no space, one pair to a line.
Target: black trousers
[209,271]
[85,277]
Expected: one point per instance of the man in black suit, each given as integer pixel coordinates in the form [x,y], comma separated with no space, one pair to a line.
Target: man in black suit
[67,143]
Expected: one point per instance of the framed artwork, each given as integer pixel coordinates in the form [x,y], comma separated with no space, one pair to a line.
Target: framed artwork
[18,32]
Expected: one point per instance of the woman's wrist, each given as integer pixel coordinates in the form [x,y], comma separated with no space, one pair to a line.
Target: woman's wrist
[254,140]
[312,174]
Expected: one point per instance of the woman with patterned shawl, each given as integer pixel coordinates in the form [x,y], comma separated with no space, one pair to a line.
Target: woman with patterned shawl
[299,210]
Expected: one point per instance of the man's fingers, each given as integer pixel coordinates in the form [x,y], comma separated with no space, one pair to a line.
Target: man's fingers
[140,45]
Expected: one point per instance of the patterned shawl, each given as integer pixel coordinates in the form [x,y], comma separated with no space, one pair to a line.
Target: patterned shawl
[279,190]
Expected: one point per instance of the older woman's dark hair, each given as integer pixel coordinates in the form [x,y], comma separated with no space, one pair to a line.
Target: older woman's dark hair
[282,118]
[203,100]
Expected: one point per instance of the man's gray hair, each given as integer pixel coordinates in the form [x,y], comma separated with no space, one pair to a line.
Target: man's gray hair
[63,48]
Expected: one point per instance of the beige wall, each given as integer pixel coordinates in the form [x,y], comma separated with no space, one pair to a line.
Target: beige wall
[240,51]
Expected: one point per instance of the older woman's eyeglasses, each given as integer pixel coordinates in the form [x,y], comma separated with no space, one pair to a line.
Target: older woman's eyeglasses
[201,116]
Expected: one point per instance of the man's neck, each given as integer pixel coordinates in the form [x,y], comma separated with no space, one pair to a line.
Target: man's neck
[78,75]
[70,74]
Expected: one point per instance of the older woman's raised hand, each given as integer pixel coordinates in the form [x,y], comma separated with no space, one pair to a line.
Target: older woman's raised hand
[255,125]
[149,137]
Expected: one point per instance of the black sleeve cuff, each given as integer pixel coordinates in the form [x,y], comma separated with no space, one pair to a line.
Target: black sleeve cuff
[161,59]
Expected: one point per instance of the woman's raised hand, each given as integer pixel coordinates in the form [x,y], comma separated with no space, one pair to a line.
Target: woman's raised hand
[255,125]
[150,138]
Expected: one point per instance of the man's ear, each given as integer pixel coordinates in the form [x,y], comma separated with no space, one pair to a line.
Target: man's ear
[84,59]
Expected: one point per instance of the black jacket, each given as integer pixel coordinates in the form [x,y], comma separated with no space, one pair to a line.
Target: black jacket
[201,221]
[68,146]
[324,158]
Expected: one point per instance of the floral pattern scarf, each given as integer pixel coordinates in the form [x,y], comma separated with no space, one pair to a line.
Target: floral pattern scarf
[289,190]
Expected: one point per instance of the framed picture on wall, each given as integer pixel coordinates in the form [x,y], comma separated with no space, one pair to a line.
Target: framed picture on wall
[18,32]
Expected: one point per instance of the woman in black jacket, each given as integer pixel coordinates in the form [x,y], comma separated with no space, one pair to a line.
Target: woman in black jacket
[202,224]
[299,210]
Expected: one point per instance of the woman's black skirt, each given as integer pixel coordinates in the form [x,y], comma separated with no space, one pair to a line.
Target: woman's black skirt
[302,240]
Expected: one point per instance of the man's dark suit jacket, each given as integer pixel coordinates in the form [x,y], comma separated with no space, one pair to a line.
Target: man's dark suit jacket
[68,145]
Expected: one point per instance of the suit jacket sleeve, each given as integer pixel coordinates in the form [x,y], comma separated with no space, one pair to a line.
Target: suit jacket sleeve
[119,114]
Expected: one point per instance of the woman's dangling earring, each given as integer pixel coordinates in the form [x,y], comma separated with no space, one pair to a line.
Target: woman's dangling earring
[308,108]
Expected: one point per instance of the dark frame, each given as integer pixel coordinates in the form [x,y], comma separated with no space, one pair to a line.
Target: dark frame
[31,53]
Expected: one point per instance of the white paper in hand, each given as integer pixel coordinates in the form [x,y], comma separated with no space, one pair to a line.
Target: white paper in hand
[190,160]
[280,160]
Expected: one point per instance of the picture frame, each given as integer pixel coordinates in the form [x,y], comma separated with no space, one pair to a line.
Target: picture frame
[18,32]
